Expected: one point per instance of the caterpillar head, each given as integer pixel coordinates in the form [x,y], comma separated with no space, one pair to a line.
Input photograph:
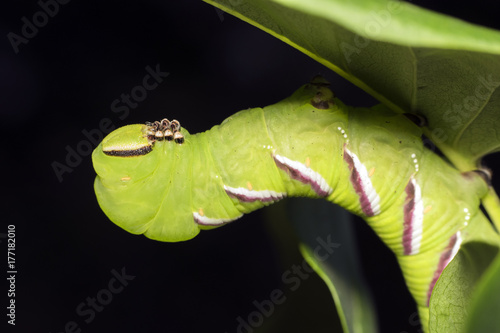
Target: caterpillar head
[134,165]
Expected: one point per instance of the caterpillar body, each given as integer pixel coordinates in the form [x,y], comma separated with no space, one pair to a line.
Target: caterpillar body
[370,161]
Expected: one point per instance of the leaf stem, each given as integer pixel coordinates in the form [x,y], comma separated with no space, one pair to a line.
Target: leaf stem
[491,203]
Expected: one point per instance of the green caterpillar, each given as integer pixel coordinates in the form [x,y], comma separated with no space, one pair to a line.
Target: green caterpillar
[158,180]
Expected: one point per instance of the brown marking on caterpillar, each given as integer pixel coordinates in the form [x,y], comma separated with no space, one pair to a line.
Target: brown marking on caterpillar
[247,195]
[413,218]
[368,197]
[303,174]
[446,256]
[129,153]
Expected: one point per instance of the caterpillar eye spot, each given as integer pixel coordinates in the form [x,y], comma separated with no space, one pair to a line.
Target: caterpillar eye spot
[128,152]
[127,141]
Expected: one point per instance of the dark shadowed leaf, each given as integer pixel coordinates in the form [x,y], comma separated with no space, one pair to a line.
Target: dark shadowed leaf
[329,246]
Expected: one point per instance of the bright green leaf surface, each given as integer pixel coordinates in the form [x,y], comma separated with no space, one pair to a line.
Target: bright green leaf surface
[329,247]
[450,302]
[452,294]
[485,310]
[412,59]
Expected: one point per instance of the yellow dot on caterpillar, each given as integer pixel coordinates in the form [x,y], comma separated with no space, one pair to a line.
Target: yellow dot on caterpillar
[308,162]
[467,217]
[249,186]
[466,210]
[200,211]
[413,155]
[372,171]
[427,209]
[125,179]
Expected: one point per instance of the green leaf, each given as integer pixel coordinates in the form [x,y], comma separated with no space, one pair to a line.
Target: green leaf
[411,59]
[484,316]
[328,245]
[452,294]
[451,298]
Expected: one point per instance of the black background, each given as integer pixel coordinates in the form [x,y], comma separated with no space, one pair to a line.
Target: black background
[64,80]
